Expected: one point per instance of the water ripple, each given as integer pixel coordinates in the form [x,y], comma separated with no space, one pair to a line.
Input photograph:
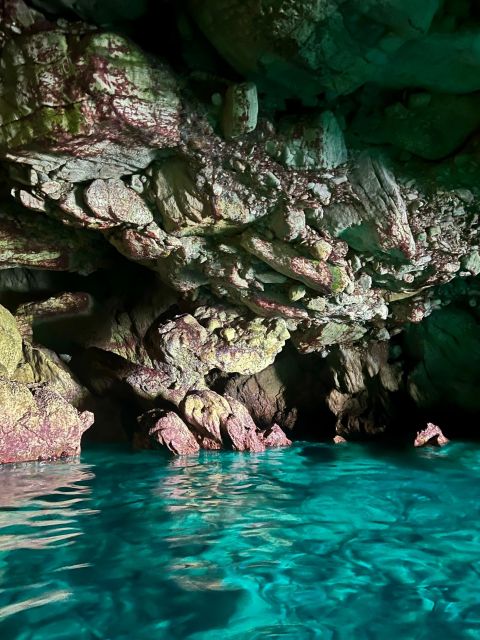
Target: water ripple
[311,542]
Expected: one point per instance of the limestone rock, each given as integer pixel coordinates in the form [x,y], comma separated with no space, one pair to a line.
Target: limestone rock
[166,429]
[113,201]
[275,437]
[240,110]
[219,338]
[10,343]
[118,100]
[374,218]
[30,240]
[38,424]
[317,143]
[221,422]
[41,365]
[186,207]
[431,435]
[363,388]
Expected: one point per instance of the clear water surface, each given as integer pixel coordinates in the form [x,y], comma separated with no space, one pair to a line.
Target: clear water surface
[314,541]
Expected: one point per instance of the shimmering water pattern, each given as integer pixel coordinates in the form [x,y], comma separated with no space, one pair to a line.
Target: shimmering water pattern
[316,541]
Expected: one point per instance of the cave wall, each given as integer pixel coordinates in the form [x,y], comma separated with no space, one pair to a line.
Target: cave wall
[233,220]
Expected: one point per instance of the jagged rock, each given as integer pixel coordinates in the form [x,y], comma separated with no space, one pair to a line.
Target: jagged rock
[190,202]
[265,394]
[63,304]
[58,307]
[275,437]
[317,143]
[206,412]
[118,100]
[38,424]
[10,343]
[113,201]
[372,215]
[319,276]
[40,365]
[223,422]
[219,338]
[30,240]
[108,374]
[166,429]
[431,435]
[240,430]
[240,110]
[361,386]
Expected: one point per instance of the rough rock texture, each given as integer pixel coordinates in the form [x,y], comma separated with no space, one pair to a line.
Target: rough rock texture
[362,385]
[10,343]
[431,435]
[166,429]
[38,424]
[304,172]
[210,421]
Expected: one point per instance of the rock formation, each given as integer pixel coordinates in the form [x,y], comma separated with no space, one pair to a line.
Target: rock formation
[431,435]
[291,172]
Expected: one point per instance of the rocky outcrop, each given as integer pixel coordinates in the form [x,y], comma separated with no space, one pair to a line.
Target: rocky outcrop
[324,194]
[211,422]
[10,343]
[431,435]
[38,396]
[361,389]
[38,424]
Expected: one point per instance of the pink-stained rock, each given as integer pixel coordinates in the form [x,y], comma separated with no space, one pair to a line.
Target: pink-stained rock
[38,424]
[431,435]
[339,440]
[240,429]
[166,429]
[221,422]
[32,240]
[275,437]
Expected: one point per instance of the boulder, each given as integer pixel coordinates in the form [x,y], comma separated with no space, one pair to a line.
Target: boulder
[165,429]
[38,424]
[431,435]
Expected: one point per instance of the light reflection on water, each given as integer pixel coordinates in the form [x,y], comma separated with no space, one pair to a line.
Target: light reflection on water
[310,542]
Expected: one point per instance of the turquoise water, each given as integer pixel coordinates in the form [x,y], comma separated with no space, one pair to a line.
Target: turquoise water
[314,541]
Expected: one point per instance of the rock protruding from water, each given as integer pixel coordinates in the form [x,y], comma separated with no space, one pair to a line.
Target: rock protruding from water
[431,435]
[210,421]
[38,424]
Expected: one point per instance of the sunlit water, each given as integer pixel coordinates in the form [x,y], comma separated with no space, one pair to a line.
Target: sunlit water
[314,541]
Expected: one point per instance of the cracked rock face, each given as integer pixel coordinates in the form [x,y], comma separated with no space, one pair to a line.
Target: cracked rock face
[321,189]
